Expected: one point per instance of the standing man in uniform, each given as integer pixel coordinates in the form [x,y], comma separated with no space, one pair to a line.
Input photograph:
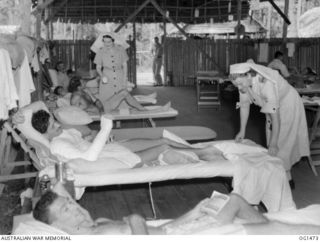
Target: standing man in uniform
[157,51]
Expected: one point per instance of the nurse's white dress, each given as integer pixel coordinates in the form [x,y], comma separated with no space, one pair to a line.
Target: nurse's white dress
[271,91]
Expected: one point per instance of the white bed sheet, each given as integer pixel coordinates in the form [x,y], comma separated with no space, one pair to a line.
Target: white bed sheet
[257,176]
[25,224]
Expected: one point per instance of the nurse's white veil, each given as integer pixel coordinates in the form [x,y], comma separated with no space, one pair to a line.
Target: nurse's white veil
[98,44]
[266,72]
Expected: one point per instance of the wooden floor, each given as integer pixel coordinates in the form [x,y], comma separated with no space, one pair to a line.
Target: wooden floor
[173,198]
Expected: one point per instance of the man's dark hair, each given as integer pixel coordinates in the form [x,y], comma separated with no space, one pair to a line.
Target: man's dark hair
[40,121]
[74,84]
[108,36]
[69,72]
[57,89]
[278,54]
[58,63]
[41,211]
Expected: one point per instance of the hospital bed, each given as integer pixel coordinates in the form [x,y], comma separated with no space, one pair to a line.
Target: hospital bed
[312,89]
[126,114]
[313,105]
[256,175]
[26,224]
[93,86]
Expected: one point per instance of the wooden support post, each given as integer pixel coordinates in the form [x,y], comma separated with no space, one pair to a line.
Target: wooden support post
[238,27]
[164,56]
[38,26]
[285,26]
[46,14]
[134,54]
[238,18]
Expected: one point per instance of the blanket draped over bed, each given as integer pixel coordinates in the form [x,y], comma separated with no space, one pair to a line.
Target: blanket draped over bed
[257,176]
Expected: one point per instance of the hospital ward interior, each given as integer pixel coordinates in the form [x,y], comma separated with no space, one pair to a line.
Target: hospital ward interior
[158,117]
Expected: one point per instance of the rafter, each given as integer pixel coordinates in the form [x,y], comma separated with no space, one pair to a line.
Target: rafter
[285,18]
[114,10]
[132,15]
[42,6]
[61,5]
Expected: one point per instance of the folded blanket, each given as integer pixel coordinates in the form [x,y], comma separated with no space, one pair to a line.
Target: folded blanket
[257,175]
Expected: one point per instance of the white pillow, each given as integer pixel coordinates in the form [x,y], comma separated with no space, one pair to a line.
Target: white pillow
[72,115]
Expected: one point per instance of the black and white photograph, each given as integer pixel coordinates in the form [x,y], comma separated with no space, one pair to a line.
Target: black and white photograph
[159,118]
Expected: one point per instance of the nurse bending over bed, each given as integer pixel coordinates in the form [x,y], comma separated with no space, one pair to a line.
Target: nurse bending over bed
[86,101]
[286,125]
[57,209]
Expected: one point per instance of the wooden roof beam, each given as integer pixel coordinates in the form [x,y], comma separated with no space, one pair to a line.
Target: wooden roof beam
[133,15]
[163,13]
[61,5]
[285,18]
[42,6]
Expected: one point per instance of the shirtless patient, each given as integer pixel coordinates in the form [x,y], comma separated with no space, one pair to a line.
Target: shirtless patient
[83,99]
[79,153]
[57,209]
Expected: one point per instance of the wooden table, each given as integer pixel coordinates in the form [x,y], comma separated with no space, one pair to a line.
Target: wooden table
[208,90]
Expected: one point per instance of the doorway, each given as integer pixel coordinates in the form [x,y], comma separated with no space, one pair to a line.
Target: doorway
[145,34]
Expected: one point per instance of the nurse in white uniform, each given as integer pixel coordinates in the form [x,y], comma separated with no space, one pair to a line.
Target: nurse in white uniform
[286,126]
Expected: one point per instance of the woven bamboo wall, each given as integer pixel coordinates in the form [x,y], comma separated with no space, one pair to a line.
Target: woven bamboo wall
[76,54]
[185,57]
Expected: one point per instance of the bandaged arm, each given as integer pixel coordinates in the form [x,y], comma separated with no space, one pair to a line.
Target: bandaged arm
[100,140]
[90,154]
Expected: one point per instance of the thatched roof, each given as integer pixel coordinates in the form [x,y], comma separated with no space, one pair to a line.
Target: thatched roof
[118,10]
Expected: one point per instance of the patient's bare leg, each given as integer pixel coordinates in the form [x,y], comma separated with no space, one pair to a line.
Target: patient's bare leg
[151,154]
[237,207]
[163,108]
[136,145]
[114,101]
[134,103]
[152,95]
[207,154]
[176,157]
[210,153]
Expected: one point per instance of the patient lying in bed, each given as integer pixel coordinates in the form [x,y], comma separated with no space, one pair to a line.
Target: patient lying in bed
[97,156]
[234,216]
[86,101]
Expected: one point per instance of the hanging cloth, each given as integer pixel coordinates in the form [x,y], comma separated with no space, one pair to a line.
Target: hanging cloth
[8,92]
[263,52]
[24,82]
